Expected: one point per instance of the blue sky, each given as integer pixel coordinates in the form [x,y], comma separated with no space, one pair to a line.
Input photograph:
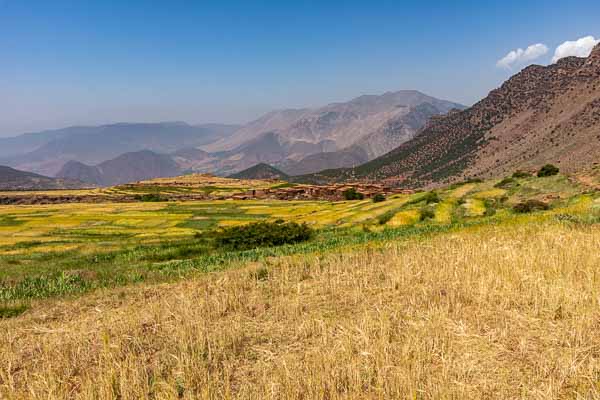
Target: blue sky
[91,62]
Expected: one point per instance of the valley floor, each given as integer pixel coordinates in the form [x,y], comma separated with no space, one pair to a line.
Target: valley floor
[495,311]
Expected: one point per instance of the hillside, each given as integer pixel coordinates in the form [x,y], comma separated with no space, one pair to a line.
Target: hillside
[260,171]
[12,179]
[128,167]
[541,115]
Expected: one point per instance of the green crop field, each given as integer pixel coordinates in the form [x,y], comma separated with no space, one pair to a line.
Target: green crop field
[64,249]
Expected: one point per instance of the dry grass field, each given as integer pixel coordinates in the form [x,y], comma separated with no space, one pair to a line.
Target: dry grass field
[509,311]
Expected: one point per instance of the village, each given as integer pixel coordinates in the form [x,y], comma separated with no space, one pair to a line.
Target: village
[335,192]
[202,187]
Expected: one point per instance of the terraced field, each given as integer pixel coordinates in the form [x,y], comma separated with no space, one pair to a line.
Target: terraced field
[54,250]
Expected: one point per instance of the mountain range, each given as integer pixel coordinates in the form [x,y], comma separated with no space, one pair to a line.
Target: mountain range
[350,133]
[543,114]
[46,152]
[297,141]
[128,167]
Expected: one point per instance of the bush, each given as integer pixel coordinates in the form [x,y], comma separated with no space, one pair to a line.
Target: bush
[431,197]
[505,183]
[378,198]
[490,207]
[530,206]
[427,213]
[385,217]
[547,170]
[262,234]
[149,197]
[521,174]
[352,194]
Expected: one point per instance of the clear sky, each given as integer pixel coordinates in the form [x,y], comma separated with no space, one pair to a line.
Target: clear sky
[91,62]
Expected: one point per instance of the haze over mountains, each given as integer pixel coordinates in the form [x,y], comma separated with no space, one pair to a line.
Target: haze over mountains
[46,152]
[297,141]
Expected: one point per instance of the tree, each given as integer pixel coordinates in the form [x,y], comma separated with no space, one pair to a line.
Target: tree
[547,170]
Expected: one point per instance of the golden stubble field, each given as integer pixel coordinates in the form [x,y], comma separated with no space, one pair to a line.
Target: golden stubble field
[494,312]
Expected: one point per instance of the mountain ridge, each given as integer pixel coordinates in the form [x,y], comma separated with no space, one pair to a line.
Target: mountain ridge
[126,168]
[543,114]
[13,179]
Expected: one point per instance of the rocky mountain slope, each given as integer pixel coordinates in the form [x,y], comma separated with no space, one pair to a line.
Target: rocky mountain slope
[543,114]
[46,152]
[12,179]
[128,167]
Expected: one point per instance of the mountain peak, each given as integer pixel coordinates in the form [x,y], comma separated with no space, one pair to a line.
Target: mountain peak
[260,171]
[594,57]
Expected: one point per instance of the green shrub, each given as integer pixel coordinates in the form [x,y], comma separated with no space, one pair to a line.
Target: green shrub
[149,197]
[520,174]
[378,198]
[490,207]
[352,194]
[431,197]
[427,213]
[530,206]
[505,183]
[547,170]
[385,217]
[261,234]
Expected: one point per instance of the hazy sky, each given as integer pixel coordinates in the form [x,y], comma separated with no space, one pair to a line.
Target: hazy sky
[90,62]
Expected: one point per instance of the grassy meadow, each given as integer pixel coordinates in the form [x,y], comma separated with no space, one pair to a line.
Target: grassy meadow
[445,294]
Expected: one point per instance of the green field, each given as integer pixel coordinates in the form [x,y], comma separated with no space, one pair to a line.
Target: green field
[56,250]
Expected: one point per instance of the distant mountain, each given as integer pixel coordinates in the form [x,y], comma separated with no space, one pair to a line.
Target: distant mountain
[350,133]
[28,142]
[12,179]
[341,124]
[395,131]
[260,171]
[296,141]
[46,152]
[128,167]
[543,114]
